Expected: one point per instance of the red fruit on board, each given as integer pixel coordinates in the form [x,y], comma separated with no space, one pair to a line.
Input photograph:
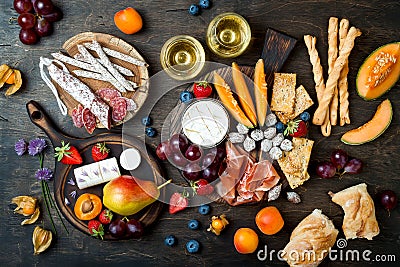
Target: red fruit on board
[96,229]
[202,187]
[296,128]
[178,202]
[68,154]
[202,89]
[100,151]
[106,216]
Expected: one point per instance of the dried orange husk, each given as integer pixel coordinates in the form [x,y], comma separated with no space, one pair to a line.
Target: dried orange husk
[23,201]
[17,83]
[33,218]
[41,239]
[5,73]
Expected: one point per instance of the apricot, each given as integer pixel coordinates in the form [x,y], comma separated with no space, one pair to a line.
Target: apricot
[245,240]
[87,206]
[128,21]
[269,220]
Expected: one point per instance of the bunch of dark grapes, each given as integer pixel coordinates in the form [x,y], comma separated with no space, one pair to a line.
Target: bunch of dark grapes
[36,18]
[339,162]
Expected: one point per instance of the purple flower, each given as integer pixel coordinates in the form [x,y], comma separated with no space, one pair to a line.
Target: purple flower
[20,147]
[44,174]
[36,146]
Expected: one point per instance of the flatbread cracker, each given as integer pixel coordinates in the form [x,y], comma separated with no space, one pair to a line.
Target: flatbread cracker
[295,181]
[284,92]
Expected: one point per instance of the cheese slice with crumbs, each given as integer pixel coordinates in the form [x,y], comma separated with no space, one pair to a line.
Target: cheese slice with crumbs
[284,92]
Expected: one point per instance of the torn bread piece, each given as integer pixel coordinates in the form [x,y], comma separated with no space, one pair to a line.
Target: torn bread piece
[359,212]
[284,92]
[311,240]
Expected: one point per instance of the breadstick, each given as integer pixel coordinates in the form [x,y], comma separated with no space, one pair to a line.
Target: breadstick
[342,84]
[323,105]
[332,56]
[310,42]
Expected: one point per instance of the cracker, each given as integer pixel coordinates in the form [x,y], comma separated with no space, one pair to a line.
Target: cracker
[295,181]
[284,92]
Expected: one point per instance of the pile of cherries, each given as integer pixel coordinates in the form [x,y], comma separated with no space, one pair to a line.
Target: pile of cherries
[36,18]
[194,161]
[339,163]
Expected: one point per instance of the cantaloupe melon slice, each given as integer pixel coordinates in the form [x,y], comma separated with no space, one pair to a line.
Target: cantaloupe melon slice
[260,92]
[372,129]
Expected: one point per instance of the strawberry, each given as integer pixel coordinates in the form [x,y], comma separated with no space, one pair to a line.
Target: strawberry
[202,187]
[100,151]
[96,229]
[105,216]
[178,202]
[202,89]
[296,128]
[68,154]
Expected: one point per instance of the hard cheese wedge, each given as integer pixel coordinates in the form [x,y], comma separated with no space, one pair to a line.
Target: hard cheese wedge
[96,173]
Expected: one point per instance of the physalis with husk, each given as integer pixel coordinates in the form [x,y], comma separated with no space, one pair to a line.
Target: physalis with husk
[12,77]
[27,206]
[218,223]
[41,240]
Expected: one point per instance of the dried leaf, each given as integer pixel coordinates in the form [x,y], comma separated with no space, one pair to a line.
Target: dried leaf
[33,218]
[41,239]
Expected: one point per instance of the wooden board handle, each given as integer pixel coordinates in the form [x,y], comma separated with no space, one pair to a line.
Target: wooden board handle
[39,117]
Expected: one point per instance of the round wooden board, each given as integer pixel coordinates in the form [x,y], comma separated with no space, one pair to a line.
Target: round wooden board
[105,40]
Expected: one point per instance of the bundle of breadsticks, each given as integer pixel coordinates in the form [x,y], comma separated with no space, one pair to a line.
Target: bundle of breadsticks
[332,96]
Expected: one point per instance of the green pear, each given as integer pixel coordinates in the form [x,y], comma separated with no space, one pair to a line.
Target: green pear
[127,195]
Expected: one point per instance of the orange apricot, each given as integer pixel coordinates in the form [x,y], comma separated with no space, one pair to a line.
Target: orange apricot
[128,20]
[87,206]
[269,220]
[245,240]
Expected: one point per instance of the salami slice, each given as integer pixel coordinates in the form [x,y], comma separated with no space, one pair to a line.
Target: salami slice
[119,108]
[108,94]
[89,120]
[130,104]
[77,116]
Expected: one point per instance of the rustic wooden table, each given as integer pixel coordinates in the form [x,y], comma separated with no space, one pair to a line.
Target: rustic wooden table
[378,20]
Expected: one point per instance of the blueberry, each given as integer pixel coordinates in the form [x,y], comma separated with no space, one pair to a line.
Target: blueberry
[280,127]
[305,116]
[204,209]
[146,121]
[204,4]
[192,246]
[150,131]
[186,96]
[194,10]
[170,240]
[193,224]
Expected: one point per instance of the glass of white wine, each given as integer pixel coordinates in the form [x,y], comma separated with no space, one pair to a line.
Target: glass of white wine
[182,57]
[228,35]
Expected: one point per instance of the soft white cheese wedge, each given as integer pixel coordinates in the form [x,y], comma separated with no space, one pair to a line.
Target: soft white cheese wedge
[96,173]
[205,122]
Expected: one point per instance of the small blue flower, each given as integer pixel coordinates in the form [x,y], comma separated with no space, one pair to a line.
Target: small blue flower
[192,246]
[71,181]
[44,174]
[186,96]
[73,194]
[146,121]
[150,132]
[20,147]
[204,4]
[193,224]
[204,209]
[36,146]
[194,10]
[170,240]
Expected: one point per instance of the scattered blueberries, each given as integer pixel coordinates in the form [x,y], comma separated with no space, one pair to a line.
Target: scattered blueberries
[204,209]
[146,121]
[193,224]
[194,10]
[204,4]
[186,96]
[170,240]
[192,246]
[280,127]
[150,131]
[305,116]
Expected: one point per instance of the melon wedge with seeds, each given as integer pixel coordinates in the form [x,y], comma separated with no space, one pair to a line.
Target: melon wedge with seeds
[373,128]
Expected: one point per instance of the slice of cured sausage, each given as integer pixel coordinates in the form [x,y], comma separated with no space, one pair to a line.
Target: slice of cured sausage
[89,120]
[108,94]
[77,116]
[119,108]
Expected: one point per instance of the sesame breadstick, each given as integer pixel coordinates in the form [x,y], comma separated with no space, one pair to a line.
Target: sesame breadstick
[323,105]
[332,56]
[343,84]
[310,42]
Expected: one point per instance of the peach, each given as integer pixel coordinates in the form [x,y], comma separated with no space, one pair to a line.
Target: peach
[269,220]
[245,240]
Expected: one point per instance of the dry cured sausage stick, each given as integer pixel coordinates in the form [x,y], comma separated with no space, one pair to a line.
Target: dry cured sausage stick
[81,93]
[96,76]
[74,62]
[323,105]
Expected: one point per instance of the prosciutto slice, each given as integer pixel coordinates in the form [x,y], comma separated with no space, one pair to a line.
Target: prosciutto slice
[244,180]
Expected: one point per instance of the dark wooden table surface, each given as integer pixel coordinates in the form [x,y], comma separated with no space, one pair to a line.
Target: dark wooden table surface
[378,20]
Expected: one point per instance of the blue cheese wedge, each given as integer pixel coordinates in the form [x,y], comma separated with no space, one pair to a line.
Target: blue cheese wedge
[96,173]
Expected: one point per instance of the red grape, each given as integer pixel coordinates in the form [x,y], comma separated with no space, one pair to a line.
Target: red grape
[43,7]
[326,169]
[210,173]
[339,158]
[209,159]
[192,171]
[26,20]
[134,229]
[117,228]
[55,15]
[43,27]
[220,152]
[178,143]
[178,159]
[353,166]
[28,36]
[23,6]
[162,150]
[193,152]
[388,199]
